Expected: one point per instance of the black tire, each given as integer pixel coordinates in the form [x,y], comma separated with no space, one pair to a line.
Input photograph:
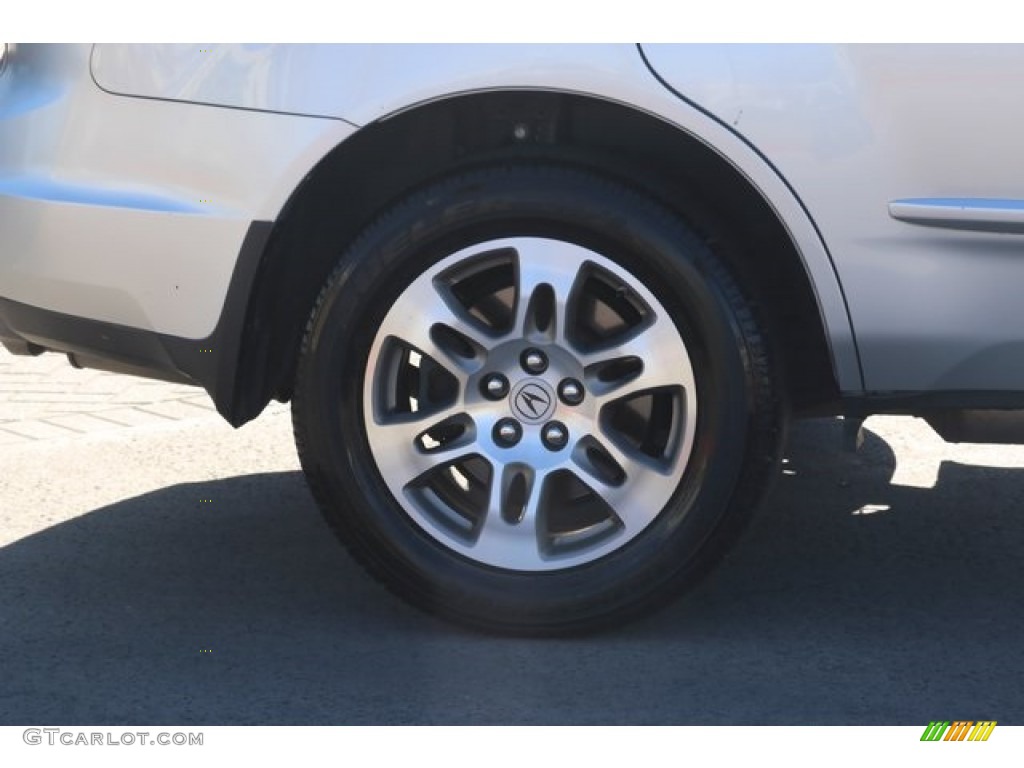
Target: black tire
[403,538]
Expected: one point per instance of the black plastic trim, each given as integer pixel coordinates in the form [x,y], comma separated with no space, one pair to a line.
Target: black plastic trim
[226,379]
[92,343]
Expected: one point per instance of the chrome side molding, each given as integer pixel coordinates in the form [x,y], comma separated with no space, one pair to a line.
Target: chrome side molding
[965,213]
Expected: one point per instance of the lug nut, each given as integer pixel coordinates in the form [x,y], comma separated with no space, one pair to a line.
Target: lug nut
[555,436]
[507,432]
[571,391]
[494,386]
[534,361]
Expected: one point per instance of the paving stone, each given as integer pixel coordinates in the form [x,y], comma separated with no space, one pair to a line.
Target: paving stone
[45,397]
[37,430]
[133,417]
[175,409]
[84,423]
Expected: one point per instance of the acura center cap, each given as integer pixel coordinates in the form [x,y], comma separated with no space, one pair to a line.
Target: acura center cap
[533,401]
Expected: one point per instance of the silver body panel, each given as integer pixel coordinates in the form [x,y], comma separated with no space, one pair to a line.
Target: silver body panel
[128,174]
[132,211]
[853,128]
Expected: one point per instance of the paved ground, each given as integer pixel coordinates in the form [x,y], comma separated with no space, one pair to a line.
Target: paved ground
[44,397]
[158,567]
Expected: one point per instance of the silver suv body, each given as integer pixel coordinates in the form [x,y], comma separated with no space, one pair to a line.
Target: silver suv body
[542,311]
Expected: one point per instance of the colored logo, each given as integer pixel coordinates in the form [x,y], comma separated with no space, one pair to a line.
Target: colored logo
[960,730]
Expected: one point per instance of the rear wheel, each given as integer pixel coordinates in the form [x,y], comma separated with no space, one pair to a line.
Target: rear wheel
[534,401]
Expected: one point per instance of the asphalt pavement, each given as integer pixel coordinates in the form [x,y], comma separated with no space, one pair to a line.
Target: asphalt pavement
[159,567]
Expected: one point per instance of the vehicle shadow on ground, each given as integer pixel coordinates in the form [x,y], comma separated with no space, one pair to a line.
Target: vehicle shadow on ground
[229,602]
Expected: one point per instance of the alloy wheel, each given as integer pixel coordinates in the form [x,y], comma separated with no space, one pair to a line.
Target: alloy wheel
[530,404]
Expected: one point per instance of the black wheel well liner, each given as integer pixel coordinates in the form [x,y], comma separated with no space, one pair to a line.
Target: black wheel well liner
[384,161]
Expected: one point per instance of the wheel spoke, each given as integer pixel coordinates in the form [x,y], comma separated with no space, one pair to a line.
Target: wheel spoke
[630,498]
[399,456]
[547,272]
[427,321]
[647,361]
[509,532]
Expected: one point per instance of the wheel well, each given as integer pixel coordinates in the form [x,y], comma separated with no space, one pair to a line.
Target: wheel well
[384,161]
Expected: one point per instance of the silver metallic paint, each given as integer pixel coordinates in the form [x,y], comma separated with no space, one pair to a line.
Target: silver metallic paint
[132,211]
[100,194]
[371,82]
[852,128]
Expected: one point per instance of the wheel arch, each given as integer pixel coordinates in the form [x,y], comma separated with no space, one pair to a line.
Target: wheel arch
[384,161]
